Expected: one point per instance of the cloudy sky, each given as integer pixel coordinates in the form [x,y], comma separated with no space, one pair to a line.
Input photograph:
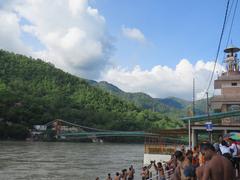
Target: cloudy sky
[152,46]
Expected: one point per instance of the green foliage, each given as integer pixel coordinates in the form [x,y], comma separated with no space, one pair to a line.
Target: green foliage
[35,92]
[13,131]
[171,106]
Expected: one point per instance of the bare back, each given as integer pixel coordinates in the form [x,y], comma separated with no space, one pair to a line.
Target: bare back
[199,172]
[218,168]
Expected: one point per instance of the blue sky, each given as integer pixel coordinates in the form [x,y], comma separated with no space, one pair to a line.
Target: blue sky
[150,46]
[174,29]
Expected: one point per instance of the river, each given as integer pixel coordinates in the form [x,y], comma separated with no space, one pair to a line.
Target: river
[64,160]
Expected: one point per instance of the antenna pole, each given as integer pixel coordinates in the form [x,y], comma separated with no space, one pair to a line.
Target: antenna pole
[207,107]
[208,117]
[193,105]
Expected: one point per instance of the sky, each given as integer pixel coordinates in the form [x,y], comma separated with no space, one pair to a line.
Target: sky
[151,46]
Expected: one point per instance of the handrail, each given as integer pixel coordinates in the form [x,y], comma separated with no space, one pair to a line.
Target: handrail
[167,176]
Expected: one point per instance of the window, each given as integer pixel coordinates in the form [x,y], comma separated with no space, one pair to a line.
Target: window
[234,84]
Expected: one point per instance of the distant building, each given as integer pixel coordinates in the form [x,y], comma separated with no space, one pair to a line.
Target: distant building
[229,85]
[40,127]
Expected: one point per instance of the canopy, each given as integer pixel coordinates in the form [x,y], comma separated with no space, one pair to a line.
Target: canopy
[235,136]
[212,116]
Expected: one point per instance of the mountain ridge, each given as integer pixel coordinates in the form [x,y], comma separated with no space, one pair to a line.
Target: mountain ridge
[166,105]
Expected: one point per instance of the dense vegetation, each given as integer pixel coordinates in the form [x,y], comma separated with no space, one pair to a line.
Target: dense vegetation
[171,106]
[35,92]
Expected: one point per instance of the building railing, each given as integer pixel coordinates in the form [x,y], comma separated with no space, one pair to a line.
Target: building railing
[159,148]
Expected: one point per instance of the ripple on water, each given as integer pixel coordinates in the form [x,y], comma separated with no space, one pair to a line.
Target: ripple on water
[56,161]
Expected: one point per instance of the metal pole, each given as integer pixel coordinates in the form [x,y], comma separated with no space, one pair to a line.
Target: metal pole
[189,133]
[208,116]
[193,108]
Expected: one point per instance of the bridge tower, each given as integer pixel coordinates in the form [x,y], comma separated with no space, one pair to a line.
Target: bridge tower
[57,127]
[229,85]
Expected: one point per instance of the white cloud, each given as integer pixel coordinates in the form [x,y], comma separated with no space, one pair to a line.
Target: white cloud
[163,81]
[73,33]
[134,34]
[10,33]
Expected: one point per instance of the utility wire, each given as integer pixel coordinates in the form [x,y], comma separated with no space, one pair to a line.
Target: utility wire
[230,31]
[219,45]
[230,10]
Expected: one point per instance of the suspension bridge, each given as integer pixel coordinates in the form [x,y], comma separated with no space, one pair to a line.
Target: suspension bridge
[62,129]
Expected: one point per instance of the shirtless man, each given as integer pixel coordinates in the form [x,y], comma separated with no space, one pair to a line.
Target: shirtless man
[117,176]
[109,177]
[199,172]
[217,166]
[124,174]
[131,173]
[159,169]
[184,169]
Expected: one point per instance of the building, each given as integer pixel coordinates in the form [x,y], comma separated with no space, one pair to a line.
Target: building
[229,85]
[226,105]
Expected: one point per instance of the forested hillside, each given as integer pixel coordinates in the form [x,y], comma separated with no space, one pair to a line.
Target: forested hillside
[171,106]
[35,92]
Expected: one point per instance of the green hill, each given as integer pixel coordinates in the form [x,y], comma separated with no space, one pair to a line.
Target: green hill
[35,92]
[140,99]
[171,106]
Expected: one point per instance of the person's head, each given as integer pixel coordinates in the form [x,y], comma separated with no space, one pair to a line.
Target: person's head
[159,164]
[183,148]
[189,153]
[117,174]
[109,175]
[179,155]
[124,171]
[97,178]
[224,143]
[207,150]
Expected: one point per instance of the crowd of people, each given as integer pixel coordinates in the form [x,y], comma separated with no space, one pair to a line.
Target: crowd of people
[218,161]
[123,175]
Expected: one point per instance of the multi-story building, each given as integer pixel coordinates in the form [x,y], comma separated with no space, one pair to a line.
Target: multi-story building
[229,85]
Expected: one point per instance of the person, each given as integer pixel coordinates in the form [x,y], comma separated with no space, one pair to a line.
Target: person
[220,139]
[199,172]
[124,174]
[217,167]
[130,173]
[235,159]
[97,178]
[217,148]
[160,170]
[195,160]
[109,177]
[225,150]
[117,176]
[183,149]
[145,172]
[184,170]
